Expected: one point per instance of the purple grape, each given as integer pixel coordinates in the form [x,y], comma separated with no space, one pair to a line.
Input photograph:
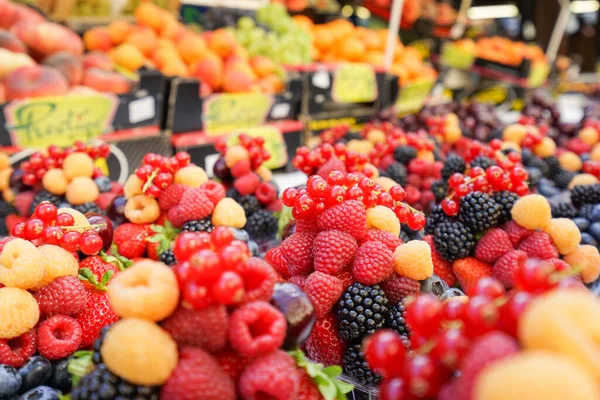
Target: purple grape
[116,210]
[104,228]
[16,181]
[298,310]
[221,171]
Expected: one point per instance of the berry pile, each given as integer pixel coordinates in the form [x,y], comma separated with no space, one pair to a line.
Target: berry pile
[158,172]
[338,157]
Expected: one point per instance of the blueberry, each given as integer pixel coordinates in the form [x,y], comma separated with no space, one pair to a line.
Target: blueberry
[61,378]
[595,213]
[240,234]
[586,238]
[534,175]
[434,285]
[547,190]
[36,372]
[254,249]
[452,292]
[40,393]
[595,230]
[103,183]
[582,223]
[10,380]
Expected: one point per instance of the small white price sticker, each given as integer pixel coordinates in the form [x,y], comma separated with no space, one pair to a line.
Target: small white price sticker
[321,79]
[142,109]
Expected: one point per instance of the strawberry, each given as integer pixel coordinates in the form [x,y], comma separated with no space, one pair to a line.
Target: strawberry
[493,245]
[516,232]
[130,239]
[324,344]
[504,269]
[308,388]
[539,245]
[100,265]
[469,270]
[97,314]
[152,250]
[441,267]
[161,239]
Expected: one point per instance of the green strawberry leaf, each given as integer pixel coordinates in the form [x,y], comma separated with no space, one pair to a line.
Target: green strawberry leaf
[333,371]
[326,387]
[163,235]
[80,365]
[326,379]
[116,259]
[64,396]
[107,276]
[86,275]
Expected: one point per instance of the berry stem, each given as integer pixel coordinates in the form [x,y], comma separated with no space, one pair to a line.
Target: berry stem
[86,227]
[150,179]
[470,180]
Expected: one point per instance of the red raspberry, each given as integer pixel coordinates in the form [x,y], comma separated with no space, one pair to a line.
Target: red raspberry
[324,344]
[376,235]
[560,265]
[346,277]
[539,245]
[58,337]
[505,268]
[297,250]
[334,164]
[272,376]
[16,351]
[198,375]
[323,291]
[374,263]
[493,245]
[65,295]
[206,328]
[299,280]
[350,216]
[307,225]
[257,328]
[214,190]
[266,193]
[275,206]
[308,388]
[232,363]
[332,251]
[516,232]
[399,287]
[441,266]
[104,199]
[278,262]
[171,196]
[259,280]
[194,204]
[246,184]
[240,168]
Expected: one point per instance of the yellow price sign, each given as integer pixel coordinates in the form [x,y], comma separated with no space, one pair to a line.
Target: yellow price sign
[494,95]
[538,74]
[456,57]
[229,112]
[274,143]
[354,83]
[412,96]
[59,120]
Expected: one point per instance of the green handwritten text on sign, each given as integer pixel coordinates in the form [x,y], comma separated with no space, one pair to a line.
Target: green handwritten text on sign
[354,83]
[412,96]
[228,112]
[40,122]
[274,143]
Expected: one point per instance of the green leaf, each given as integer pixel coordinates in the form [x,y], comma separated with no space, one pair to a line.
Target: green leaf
[155,239]
[80,365]
[64,396]
[326,387]
[333,371]
[344,387]
[106,277]
[326,379]
[86,273]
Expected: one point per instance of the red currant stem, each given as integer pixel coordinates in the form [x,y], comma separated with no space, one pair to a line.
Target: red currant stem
[454,324]
[426,348]
[473,179]
[500,301]
[86,227]
[150,179]
[412,210]
[558,276]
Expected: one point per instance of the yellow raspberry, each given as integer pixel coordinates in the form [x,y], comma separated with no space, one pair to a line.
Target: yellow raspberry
[142,209]
[5,175]
[82,190]
[21,265]
[78,164]
[55,181]
[360,146]
[510,146]
[376,136]
[4,161]
[595,153]
[582,179]
[451,120]
[192,176]
[132,186]
[81,222]
[235,154]
[532,211]
[146,290]
[545,148]
[383,218]
[58,262]
[413,260]
[570,161]
[8,195]
[19,310]
[139,351]
[514,133]
[452,134]
[426,155]
[565,234]
[386,182]
[228,213]
[589,135]
[370,167]
[264,173]
[535,375]
[587,260]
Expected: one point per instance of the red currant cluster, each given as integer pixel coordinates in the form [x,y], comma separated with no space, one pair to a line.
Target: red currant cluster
[157,171]
[334,135]
[442,332]
[257,152]
[210,267]
[309,161]
[592,167]
[46,226]
[321,194]
[38,163]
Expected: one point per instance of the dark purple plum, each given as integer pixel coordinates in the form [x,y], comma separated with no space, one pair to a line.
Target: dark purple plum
[103,226]
[298,310]
[116,210]
[221,171]
[16,181]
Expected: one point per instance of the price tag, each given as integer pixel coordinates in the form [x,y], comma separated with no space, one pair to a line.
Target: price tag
[225,113]
[321,79]
[494,95]
[354,83]
[142,109]
[538,74]
[59,120]
[280,111]
[274,143]
[456,57]
[412,96]
[209,163]
[102,164]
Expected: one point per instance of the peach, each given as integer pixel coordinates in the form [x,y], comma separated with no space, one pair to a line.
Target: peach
[222,42]
[98,38]
[46,38]
[191,48]
[209,70]
[118,31]
[262,66]
[237,80]
[68,65]
[10,61]
[162,55]
[175,67]
[97,59]
[2,96]
[240,51]
[147,14]
[10,42]
[204,90]
[171,28]
[144,39]
[128,56]
[106,81]
[8,14]
[82,91]
[271,84]
[34,81]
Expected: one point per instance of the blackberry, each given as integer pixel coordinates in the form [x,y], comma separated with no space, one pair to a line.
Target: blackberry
[198,225]
[361,310]
[483,162]
[90,206]
[454,164]
[586,194]
[45,196]
[396,321]
[505,200]
[352,136]
[397,172]
[564,210]
[436,217]
[540,164]
[412,234]
[479,211]
[439,189]
[261,224]
[562,178]
[103,384]
[404,154]
[103,183]
[97,357]
[357,368]
[249,203]
[453,240]
[553,165]
[168,257]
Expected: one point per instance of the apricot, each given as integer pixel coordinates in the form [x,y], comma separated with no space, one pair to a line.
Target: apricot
[221,42]
[191,48]
[98,38]
[128,56]
[209,70]
[150,15]
[118,31]
[175,67]
[144,39]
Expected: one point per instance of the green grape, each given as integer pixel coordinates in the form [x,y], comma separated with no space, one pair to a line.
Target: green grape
[246,23]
